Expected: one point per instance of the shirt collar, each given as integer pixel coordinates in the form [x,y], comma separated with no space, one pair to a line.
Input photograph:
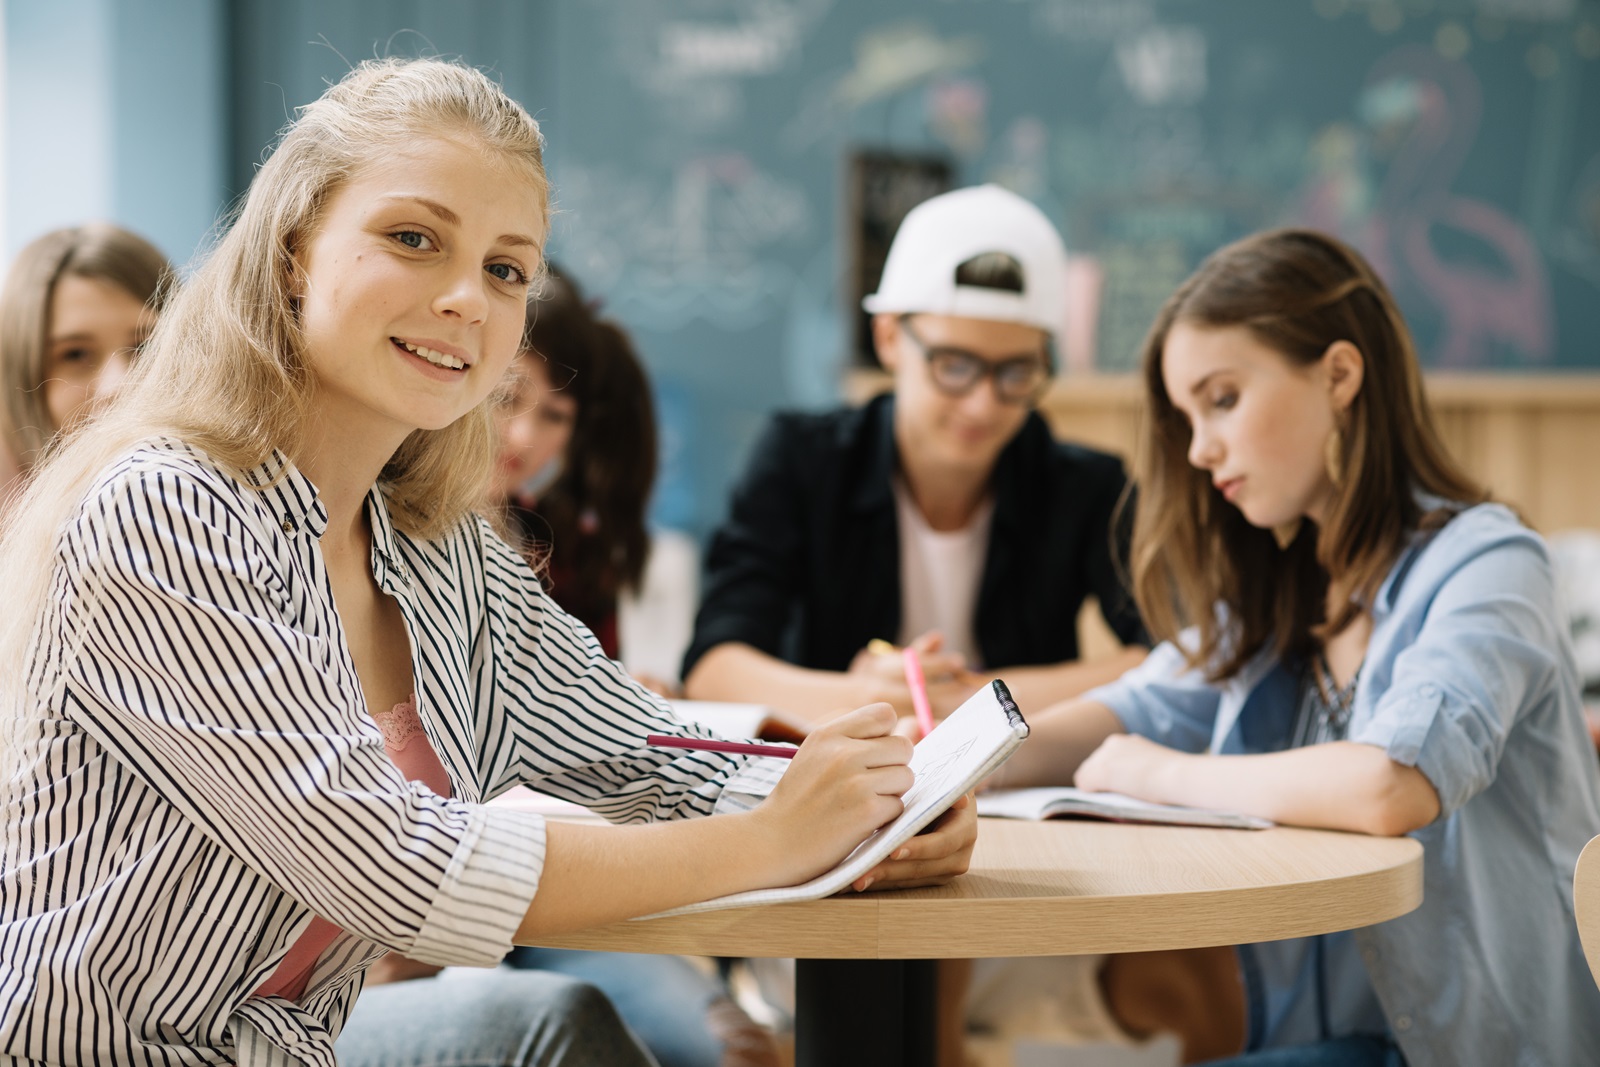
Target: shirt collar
[288,495]
[296,505]
[385,542]
[1389,592]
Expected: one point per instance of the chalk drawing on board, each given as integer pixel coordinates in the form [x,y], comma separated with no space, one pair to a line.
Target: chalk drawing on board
[1494,297]
[1164,65]
[1023,165]
[697,246]
[888,60]
[1576,243]
[1093,21]
[958,113]
[692,69]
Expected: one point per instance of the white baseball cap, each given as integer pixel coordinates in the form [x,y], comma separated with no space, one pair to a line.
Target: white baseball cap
[940,234]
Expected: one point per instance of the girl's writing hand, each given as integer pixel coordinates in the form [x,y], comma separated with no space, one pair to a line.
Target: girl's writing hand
[936,855]
[845,782]
[1126,763]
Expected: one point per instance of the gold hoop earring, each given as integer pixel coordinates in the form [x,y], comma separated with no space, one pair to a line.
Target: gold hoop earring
[1333,456]
[1285,532]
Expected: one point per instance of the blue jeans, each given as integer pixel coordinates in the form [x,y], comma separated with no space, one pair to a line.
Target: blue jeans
[1339,1052]
[663,999]
[487,1018]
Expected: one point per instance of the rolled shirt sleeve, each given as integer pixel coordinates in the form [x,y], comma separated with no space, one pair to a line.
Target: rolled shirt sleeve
[1164,699]
[1483,650]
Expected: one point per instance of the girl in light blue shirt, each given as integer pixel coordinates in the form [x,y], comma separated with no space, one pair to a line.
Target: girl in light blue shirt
[1353,639]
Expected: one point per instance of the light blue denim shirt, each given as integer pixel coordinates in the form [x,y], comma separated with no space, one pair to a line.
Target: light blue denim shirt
[1469,678]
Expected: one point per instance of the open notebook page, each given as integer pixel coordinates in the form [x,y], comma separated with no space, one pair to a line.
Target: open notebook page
[963,750]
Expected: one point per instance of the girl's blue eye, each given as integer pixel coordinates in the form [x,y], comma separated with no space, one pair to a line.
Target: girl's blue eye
[1225,401]
[412,239]
[506,272]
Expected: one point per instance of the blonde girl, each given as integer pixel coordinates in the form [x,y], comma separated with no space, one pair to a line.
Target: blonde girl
[265,665]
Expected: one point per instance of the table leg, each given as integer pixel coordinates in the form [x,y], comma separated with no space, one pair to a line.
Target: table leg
[879,1012]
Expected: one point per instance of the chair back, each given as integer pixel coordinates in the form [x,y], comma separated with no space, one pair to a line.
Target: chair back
[1586,903]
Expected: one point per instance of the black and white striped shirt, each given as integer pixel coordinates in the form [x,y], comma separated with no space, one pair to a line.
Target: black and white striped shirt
[205,776]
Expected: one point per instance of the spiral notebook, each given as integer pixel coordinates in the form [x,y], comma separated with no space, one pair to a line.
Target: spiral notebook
[961,751]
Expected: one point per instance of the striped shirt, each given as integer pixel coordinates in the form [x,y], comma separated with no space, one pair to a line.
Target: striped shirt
[202,776]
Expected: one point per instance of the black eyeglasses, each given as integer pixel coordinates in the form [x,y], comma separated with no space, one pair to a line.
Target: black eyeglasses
[956,372]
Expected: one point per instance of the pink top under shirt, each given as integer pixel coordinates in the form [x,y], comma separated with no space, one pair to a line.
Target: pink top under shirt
[407,745]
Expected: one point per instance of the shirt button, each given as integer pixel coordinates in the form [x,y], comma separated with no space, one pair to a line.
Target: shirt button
[287,526]
[1369,954]
[1402,1023]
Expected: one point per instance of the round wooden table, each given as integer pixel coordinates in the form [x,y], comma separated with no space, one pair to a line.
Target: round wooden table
[1057,888]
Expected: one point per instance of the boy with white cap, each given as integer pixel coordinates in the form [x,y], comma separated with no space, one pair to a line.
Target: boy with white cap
[942,516]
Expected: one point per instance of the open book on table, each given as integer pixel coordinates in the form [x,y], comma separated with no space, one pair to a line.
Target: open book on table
[1065,802]
[961,751]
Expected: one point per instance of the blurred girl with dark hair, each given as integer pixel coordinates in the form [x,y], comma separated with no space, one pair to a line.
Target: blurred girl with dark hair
[1353,639]
[577,459]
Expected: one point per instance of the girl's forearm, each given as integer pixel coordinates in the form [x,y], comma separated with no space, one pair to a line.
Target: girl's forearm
[1059,739]
[1338,786]
[593,873]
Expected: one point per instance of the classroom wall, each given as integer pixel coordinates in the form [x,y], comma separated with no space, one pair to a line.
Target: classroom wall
[698,153]
[114,109]
[698,150]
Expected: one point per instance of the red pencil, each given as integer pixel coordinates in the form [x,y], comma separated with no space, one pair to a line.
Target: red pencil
[744,748]
[919,691]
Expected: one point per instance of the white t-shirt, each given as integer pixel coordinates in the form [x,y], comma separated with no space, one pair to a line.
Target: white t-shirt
[939,575]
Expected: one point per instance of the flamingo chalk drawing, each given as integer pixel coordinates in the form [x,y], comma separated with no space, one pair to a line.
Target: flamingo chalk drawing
[1433,105]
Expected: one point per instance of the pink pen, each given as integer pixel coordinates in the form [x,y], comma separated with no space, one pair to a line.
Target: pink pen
[744,748]
[919,691]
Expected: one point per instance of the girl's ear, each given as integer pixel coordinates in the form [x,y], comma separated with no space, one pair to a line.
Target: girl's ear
[1346,369]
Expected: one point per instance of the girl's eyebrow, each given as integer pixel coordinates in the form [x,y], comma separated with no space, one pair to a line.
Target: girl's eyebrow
[61,339]
[445,215]
[1194,390]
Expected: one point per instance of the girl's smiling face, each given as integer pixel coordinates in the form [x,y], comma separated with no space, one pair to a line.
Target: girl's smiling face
[411,290]
[1259,423]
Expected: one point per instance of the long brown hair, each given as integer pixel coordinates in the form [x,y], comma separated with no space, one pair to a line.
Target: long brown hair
[96,250]
[1196,561]
[594,512]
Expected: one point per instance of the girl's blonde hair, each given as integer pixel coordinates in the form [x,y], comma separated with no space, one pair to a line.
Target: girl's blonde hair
[225,368]
[97,250]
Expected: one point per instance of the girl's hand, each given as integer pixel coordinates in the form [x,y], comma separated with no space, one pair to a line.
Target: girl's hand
[845,782]
[1127,763]
[936,855]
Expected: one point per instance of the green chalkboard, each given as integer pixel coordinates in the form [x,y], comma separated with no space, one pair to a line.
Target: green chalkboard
[699,151]
[1456,141]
